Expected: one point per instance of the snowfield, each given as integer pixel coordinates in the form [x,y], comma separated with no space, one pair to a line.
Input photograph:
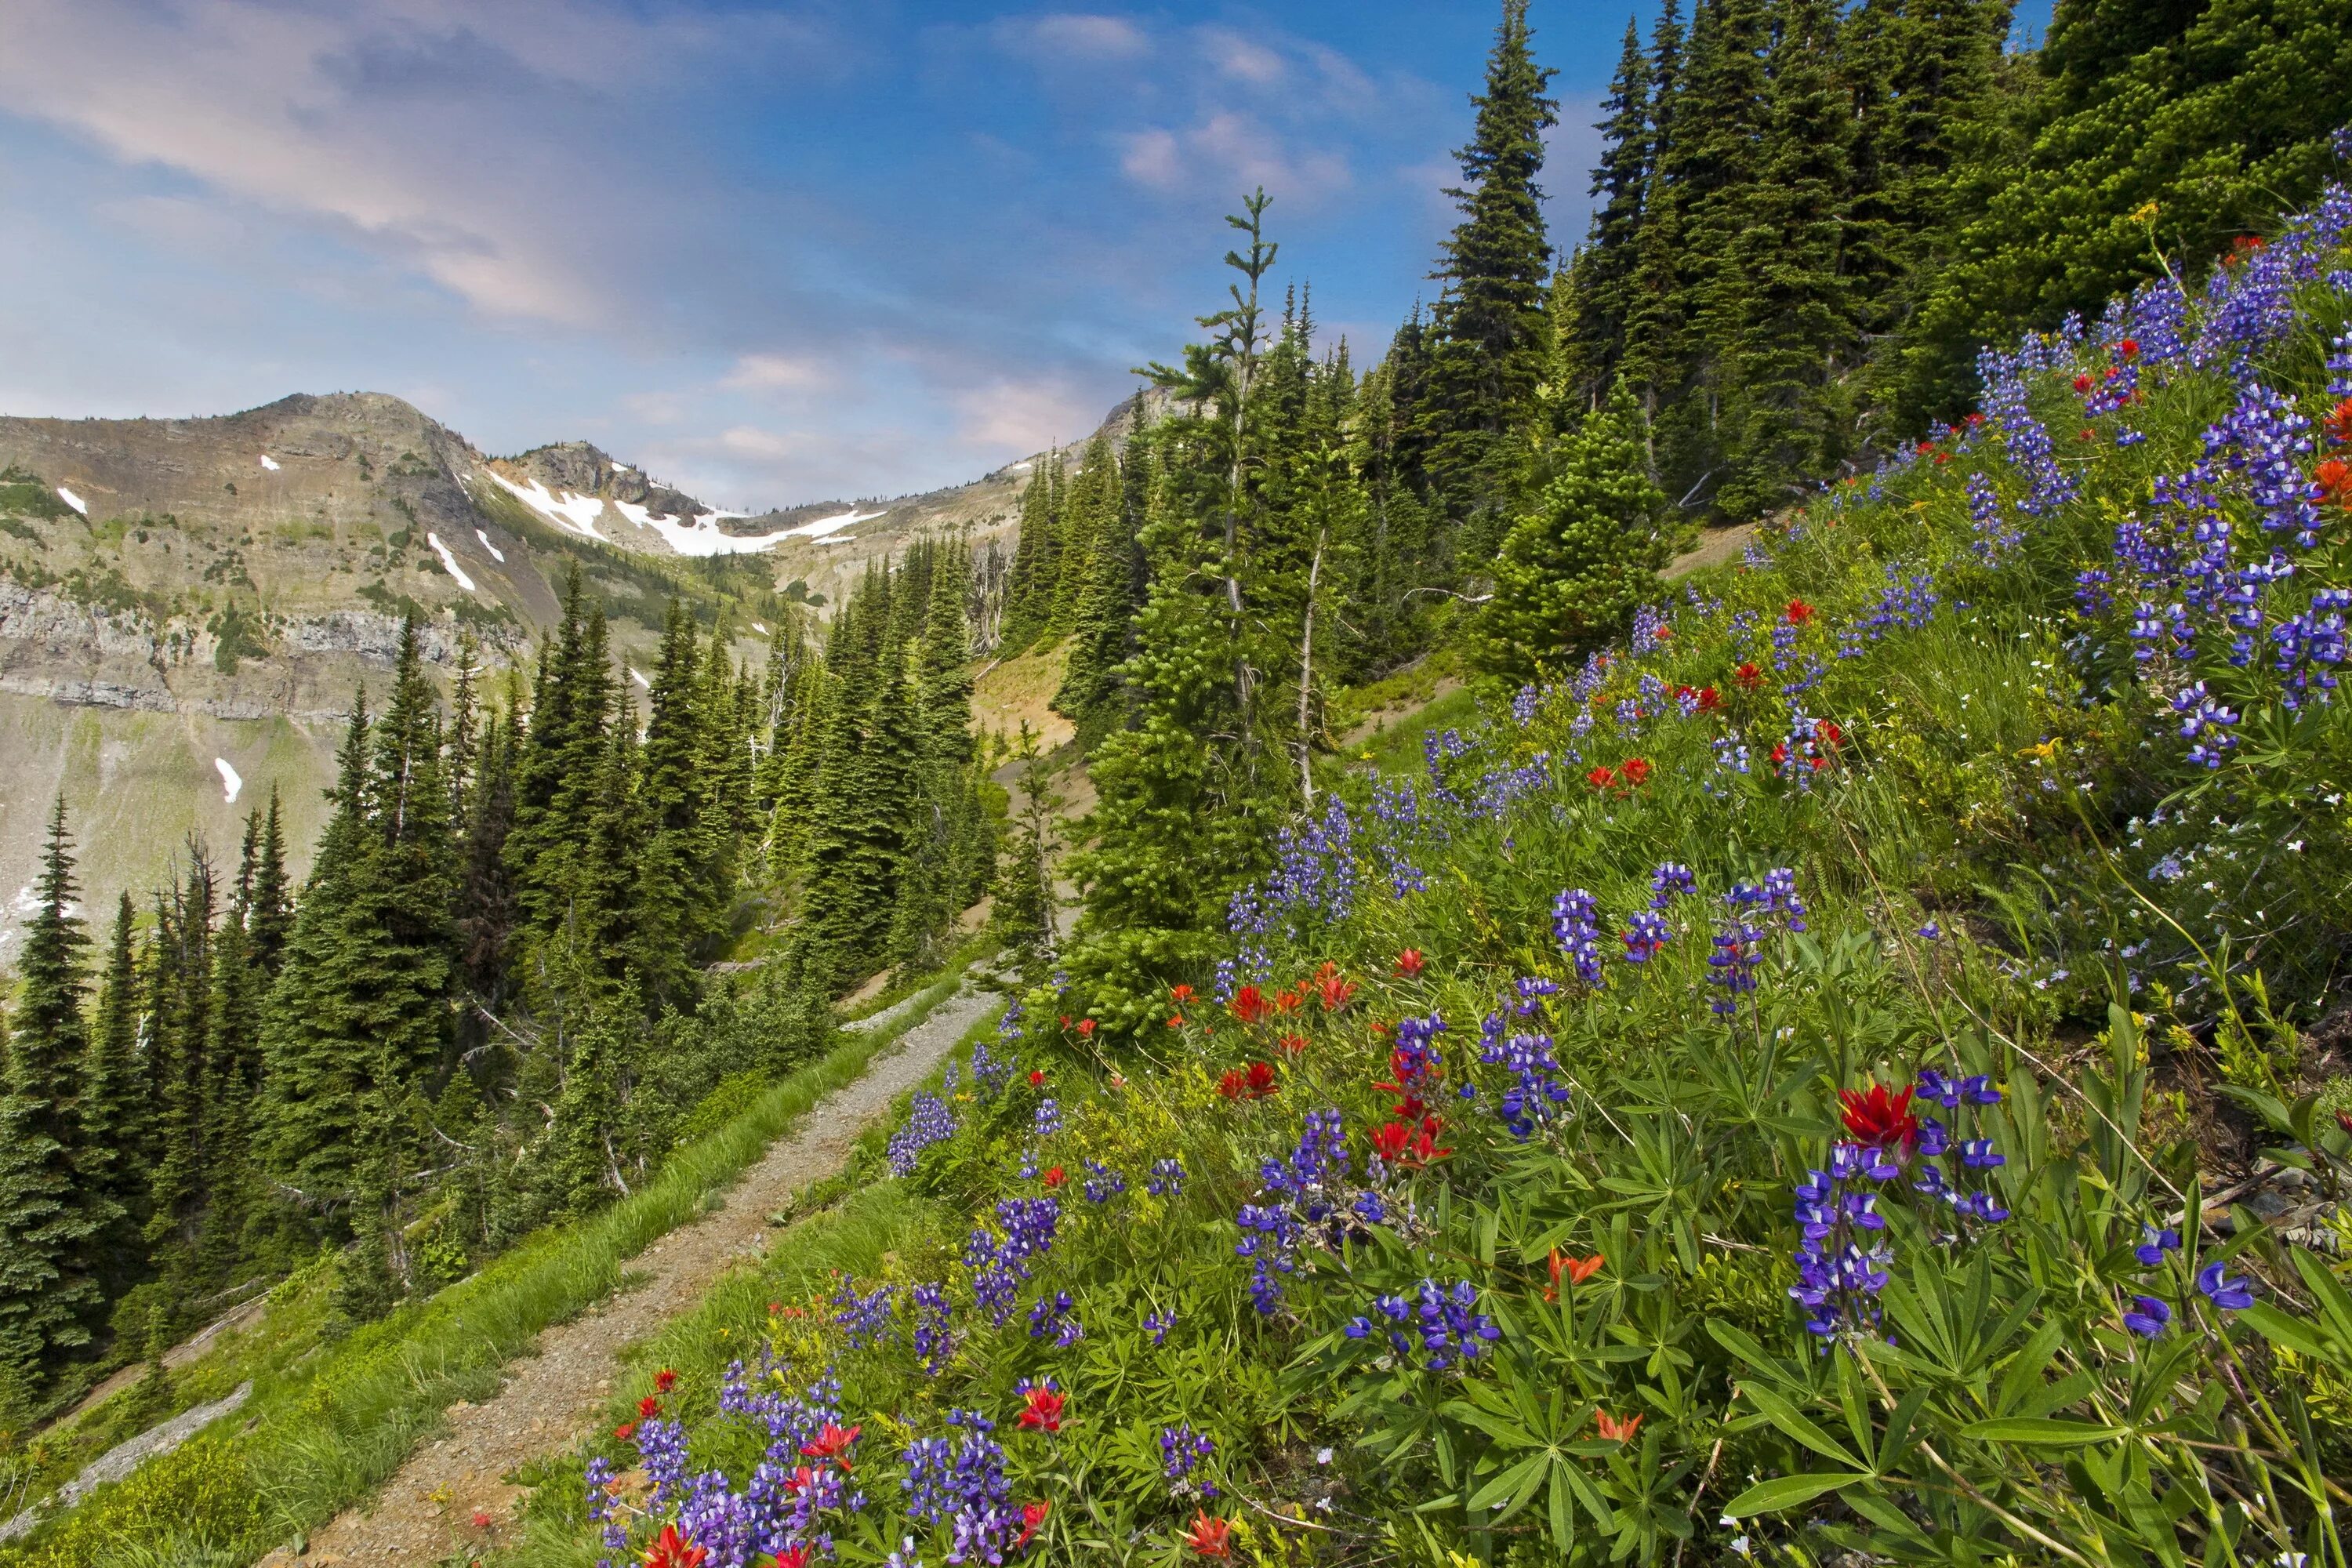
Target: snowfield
[450,563]
[230,782]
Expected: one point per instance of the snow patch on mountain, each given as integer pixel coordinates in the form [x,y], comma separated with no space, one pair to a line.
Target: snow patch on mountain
[230,781]
[270,462]
[576,512]
[73,500]
[495,554]
[449,563]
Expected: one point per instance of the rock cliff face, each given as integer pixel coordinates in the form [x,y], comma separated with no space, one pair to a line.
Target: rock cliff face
[187,605]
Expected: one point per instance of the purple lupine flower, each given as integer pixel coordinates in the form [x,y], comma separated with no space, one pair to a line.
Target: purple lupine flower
[865,1319]
[1575,925]
[1183,1451]
[1669,880]
[929,1121]
[2149,1317]
[2228,1295]
[1645,935]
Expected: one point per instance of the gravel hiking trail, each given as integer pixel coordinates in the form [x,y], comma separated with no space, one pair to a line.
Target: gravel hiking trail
[553,1398]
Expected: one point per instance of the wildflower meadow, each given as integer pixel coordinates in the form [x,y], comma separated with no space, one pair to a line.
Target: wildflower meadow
[1845,1072]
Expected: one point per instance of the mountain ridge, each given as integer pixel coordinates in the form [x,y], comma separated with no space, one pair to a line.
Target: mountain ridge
[185,601]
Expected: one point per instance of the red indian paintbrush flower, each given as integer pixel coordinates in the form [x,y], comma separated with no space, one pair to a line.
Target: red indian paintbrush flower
[1086,1031]
[664,1380]
[1210,1537]
[830,1442]
[1057,1176]
[1249,1005]
[1635,771]
[1878,1119]
[2128,348]
[1710,701]
[1333,987]
[1749,675]
[648,1406]
[1602,777]
[671,1550]
[1800,612]
[1043,1410]
[1033,1514]
[2335,480]
[1292,1044]
[1409,964]
[2338,425]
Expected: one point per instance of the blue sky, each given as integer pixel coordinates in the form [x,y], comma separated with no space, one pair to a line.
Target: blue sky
[774,252]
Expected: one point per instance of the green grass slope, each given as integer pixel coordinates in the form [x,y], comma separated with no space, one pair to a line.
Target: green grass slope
[1844,1072]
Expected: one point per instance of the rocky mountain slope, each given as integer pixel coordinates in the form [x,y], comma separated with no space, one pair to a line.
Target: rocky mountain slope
[186,606]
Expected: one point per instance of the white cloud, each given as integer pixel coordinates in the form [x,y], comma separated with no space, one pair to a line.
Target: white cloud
[1084,38]
[774,372]
[1012,419]
[361,119]
[1153,158]
[1243,59]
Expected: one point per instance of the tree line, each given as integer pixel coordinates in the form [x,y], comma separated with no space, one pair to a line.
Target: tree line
[488,1003]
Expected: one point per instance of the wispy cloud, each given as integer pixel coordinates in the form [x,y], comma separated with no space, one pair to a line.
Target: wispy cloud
[773,251]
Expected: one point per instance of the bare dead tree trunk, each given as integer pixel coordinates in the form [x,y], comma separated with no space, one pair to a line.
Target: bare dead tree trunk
[1307,674]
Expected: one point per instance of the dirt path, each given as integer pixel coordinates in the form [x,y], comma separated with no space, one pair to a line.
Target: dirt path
[552,1399]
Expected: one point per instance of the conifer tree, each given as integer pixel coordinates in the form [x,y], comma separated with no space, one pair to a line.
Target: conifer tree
[1491,336]
[486,908]
[1105,568]
[114,1111]
[180,1013]
[1652,358]
[678,899]
[1576,565]
[49,1212]
[1188,792]
[1593,333]
[268,904]
[1797,337]
[561,770]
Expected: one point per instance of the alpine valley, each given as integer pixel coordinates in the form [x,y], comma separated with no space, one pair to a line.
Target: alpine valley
[188,605]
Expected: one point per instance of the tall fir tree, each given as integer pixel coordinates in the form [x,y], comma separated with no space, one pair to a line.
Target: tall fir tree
[115,1109]
[50,1212]
[1492,339]
[1590,328]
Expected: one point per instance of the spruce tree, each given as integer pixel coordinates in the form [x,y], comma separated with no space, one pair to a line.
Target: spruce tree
[1652,356]
[1788,416]
[51,1207]
[1574,568]
[1593,334]
[1105,567]
[179,1010]
[114,1111]
[1491,335]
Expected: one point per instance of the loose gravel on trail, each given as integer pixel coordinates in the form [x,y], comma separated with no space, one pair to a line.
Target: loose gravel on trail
[551,1399]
